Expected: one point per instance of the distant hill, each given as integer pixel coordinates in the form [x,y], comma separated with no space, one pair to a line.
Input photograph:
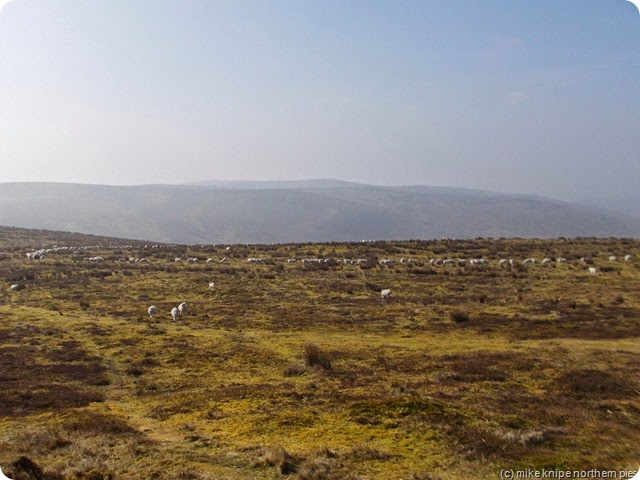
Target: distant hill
[304,211]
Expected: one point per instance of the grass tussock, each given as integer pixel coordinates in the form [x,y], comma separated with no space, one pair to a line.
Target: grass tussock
[314,356]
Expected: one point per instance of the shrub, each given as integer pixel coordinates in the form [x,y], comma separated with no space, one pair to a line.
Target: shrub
[459,316]
[314,356]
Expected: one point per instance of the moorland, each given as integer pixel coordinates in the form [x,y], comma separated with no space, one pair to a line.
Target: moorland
[301,370]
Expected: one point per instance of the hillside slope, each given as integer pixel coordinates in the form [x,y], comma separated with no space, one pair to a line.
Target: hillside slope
[298,213]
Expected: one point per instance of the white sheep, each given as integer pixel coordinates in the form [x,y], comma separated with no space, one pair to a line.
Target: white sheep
[182,308]
[15,287]
[593,270]
[613,258]
[174,313]
[152,310]
[212,285]
[628,258]
[385,293]
[561,260]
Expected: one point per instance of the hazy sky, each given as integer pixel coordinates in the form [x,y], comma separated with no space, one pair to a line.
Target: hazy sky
[532,96]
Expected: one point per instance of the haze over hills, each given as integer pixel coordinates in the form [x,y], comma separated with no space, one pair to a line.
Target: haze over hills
[296,211]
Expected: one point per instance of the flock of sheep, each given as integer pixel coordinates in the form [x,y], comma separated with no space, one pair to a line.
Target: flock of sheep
[176,312]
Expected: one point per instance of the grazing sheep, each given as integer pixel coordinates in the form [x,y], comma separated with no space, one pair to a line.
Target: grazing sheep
[182,308]
[561,260]
[503,261]
[529,261]
[15,287]
[478,261]
[593,270]
[613,258]
[628,258]
[547,261]
[174,313]
[212,285]
[152,310]
[385,293]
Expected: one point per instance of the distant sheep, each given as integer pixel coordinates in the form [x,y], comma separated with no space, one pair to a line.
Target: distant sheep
[613,258]
[628,258]
[593,270]
[212,285]
[385,293]
[174,313]
[182,308]
[152,310]
[16,287]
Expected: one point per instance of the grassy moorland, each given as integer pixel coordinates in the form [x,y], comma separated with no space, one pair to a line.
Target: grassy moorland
[301,370]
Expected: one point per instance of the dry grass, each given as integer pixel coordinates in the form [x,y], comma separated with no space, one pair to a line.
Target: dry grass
[303,371]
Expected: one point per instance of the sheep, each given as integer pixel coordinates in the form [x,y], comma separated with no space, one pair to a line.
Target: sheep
[182,308]
[628,258]
[174,313]
[15,287]
[478,261]
[613,258]
[529,261]
[212,285]
[385,293]
[152,310]
[561,260]
[593,270]
[503,261]
[547,261]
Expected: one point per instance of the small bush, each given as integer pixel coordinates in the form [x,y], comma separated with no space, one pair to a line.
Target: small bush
[314,356]
[459,316]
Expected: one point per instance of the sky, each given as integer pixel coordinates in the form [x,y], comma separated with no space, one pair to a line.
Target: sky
[521,96]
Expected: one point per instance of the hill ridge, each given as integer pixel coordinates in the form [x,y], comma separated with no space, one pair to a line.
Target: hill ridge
[297,212]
